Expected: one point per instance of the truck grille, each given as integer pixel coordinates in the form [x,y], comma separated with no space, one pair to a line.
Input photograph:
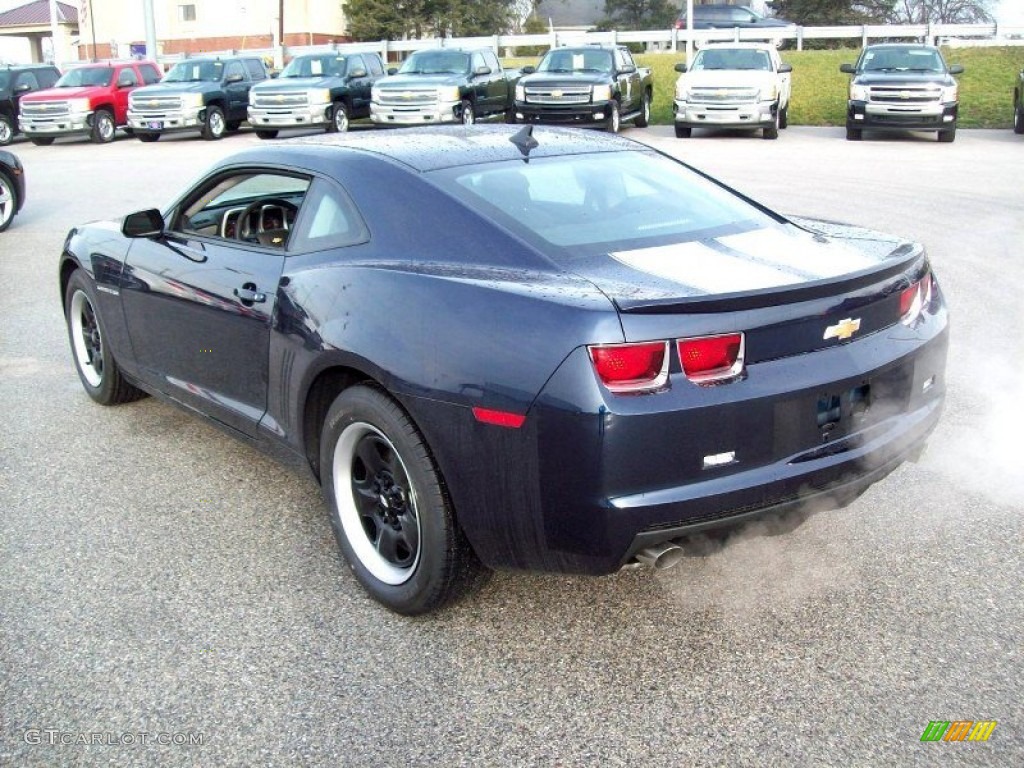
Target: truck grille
[408,97]
[277,99]
[554,95]
[723,95]
[44,109]
[155,105]
[890,94]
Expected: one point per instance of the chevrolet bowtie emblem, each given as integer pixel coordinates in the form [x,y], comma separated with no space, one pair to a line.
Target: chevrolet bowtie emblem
[556,94]
[844,329]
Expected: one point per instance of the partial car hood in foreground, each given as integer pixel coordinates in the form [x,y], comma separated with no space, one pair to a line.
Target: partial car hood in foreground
[765,266]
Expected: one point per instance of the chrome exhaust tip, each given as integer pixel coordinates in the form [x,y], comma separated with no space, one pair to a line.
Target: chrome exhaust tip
[660,556]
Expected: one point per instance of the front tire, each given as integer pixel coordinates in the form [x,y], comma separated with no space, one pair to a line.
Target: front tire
[853,134]
[947,137]
[100,375]
[8,201]
[771,131]
[615,119]
[266,134]
[103,127]
[339,119]
[43,141]
[683,131]
[784,117]
[389,510]
[466,112]
[215,125]
[1018,119]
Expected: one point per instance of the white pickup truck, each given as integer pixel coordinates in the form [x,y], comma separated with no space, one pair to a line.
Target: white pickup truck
[733,85]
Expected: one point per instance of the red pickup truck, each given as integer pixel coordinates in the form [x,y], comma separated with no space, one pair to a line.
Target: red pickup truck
[92,99]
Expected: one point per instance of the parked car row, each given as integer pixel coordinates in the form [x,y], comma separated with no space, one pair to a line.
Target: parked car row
[894,86]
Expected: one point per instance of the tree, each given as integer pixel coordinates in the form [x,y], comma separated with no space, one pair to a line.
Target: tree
[398,19]
[638,14]
[941,12]
[829,13]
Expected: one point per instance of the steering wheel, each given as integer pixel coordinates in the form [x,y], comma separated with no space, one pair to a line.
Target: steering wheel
[244,229]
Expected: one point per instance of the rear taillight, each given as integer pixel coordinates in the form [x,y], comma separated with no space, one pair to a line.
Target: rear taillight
[914,299]
[707,359]
[632,367]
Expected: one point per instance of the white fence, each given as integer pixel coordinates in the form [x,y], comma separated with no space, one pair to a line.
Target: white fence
[670,40]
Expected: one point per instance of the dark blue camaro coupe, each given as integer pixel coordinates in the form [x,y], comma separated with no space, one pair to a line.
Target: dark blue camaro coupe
[554,351]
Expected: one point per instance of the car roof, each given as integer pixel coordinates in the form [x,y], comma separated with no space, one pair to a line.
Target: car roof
[430,149]
[753,46]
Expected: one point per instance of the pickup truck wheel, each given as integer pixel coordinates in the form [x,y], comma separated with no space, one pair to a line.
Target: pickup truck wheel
[615,119]
[468,115]
[6,130]
[389,510]
[339,119]
[45,141]
[644,118]
[8,201]
[853,134]
[1018,119]
[784,117]
[510,116]
[771,131]
[267,134]
[215,125]
[148,137]
[103,127]
[683,131]
[948,136]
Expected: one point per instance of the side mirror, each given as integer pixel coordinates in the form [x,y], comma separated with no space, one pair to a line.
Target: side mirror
[848,69]
[956,69]
[360,72]
[274,74]
[125,83]
[143,224]
[528,69]
[483,69]
[233,79]
[629,70]
[680,67]
[23,88]
[392,70]
[785,68]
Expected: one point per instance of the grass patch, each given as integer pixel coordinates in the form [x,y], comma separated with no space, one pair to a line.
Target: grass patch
[819,88]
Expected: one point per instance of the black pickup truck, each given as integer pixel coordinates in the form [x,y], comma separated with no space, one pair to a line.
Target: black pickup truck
[596,85]
[1018,104]
[323,90]
[444,85]
[209,95]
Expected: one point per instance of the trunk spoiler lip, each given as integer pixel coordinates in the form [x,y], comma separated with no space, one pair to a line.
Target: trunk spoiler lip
[906,258]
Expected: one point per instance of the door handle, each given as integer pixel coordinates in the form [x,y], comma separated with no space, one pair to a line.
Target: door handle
[248,294]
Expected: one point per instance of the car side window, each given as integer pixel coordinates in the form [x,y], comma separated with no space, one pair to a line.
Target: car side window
[256,207]
[149,74]
[256,71]
[28,78]
[478,61]
[491,60]
[234,68]
[375,67]
[356,62]
[329,220]
[127,78]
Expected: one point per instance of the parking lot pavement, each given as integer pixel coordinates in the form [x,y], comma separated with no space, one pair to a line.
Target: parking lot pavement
[162,584]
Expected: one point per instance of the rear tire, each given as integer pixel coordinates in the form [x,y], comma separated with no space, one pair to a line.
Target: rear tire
[948,136]
[644,118]
[103,127]
[100,375]
[1018,119]
[267,134]
[45,141]
[391,516]
[683,131]
[784,117]
[215,125]
[853,134]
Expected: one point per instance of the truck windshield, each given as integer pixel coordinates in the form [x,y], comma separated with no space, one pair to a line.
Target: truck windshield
[732,58]
[189,71]
[76,78]
[576,61]
[436,63]
[902,59]
[315,66]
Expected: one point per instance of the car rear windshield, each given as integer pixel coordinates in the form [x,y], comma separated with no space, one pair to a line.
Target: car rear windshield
[597,203]
[77,78]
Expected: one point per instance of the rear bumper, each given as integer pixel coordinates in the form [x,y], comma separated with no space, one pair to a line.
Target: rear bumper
[883,117]
[584,114]
[591,478]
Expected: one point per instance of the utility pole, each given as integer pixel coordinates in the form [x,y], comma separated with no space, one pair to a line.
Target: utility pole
[147,9]
[57,50]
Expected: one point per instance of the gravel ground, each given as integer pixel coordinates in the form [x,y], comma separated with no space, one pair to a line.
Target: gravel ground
[160,582]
